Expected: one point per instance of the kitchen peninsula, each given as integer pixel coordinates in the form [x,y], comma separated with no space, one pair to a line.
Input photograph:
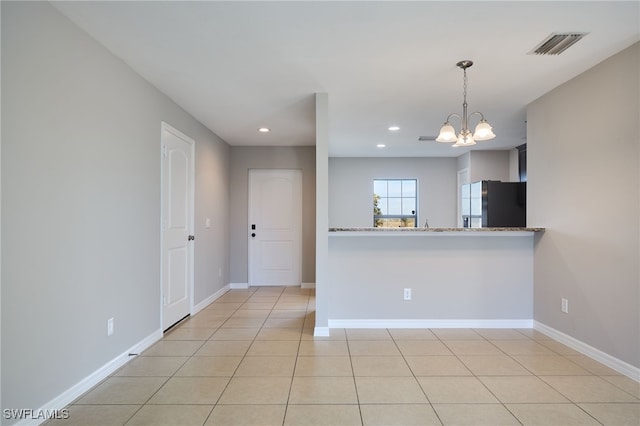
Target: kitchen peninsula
[434,231]
[458,277]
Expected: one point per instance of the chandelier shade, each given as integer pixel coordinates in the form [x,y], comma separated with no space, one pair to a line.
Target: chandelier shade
[447,133]
[483,130]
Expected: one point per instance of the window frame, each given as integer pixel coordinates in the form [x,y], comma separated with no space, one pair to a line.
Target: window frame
[413,216]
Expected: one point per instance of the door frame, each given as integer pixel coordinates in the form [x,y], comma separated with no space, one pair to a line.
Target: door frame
[300,174]
[463,179]
[164,126]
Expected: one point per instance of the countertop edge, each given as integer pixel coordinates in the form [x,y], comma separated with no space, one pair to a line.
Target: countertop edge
[434,231]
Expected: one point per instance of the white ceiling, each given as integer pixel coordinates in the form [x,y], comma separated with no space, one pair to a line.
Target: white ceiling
[237,66]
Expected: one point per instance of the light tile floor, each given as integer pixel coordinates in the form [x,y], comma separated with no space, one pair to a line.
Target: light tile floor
[250,358]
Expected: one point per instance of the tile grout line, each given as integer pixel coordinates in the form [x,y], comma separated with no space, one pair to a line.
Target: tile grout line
[215,404]
[353,376]
[416,377]
[295,363]
[555,353]
[533,374]
[483,338]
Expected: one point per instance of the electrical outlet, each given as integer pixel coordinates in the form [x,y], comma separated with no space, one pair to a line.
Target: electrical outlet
[109,326]
[565,306]
[407,294]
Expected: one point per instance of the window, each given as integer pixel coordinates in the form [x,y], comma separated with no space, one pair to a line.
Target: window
[395,203]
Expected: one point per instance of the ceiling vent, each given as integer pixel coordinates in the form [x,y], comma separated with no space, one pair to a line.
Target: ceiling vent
[556,43]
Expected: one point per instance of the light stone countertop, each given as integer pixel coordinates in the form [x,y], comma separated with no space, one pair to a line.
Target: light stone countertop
[409,229]
[434,231]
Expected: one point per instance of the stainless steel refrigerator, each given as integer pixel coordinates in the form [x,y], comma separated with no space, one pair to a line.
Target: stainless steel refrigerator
[494,204]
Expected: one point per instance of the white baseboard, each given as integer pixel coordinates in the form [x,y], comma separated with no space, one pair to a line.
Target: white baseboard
[425,323]
[602,357]
[243,286]
[71,394]
[209,300]
[321,331]
[239,286]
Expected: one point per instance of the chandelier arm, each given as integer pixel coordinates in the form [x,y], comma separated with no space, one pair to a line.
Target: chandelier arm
[479,113]
[453,114]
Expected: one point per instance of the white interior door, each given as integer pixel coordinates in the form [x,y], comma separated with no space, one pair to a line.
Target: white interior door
[275,227]
[177,225]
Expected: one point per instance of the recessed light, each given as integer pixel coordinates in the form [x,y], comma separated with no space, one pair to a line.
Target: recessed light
[264,130]
[394,128]
[381,145]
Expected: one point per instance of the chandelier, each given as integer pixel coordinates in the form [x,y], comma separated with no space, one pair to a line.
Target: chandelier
[482,131]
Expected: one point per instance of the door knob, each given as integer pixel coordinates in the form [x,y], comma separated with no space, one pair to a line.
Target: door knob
[253,234]
[191,237]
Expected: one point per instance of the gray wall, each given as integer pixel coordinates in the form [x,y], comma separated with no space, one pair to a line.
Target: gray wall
[583,149]
[514,166]
[212,202]
[489,165]
[81,204]
[244,158]
[464,161]
[351,188]
[451,277]
[322,215]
